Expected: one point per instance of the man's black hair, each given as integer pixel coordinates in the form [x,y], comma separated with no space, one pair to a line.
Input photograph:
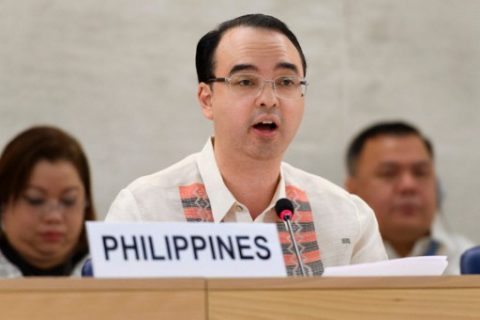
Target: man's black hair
[395,128]
[204,59]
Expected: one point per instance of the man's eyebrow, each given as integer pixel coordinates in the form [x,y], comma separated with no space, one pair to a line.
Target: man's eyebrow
[423,163]
[287,65]
[393,163]
[388,164]
[251,67]
[242,67]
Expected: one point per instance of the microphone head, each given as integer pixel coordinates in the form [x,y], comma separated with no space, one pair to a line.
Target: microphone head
[284,209]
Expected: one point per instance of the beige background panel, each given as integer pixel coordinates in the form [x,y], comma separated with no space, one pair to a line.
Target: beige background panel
[120,76]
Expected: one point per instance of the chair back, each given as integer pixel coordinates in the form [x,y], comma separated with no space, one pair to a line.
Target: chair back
[470,261]
[87,268]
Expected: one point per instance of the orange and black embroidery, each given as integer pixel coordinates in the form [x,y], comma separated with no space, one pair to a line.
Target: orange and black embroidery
[196,207]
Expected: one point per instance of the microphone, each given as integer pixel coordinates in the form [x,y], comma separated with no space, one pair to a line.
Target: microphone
[284,210]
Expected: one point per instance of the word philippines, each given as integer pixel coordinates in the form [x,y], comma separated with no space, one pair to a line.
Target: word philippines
[181,247]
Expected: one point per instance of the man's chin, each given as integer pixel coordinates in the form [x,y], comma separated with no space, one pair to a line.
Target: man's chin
[408,213]
[408,232]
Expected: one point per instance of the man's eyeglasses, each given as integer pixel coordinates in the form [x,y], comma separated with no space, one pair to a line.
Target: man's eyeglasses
[288,87]
[67,206]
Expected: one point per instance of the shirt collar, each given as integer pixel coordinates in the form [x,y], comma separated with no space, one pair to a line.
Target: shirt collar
[221,199]
[279,193]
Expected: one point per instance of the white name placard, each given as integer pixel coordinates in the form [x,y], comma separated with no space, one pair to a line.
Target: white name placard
[176,249]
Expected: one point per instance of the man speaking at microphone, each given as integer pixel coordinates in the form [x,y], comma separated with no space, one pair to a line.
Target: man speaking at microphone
[251,73]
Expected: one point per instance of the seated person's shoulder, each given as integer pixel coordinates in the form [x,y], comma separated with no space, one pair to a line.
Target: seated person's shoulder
[150,196]
[171,177]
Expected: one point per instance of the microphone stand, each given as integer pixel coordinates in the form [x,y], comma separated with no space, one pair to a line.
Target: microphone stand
[295,247]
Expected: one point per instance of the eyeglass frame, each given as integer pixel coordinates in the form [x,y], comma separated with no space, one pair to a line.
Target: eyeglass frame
[51,205]
[303,83]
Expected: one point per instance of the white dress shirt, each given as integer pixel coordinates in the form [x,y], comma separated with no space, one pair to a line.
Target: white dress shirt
[332,226]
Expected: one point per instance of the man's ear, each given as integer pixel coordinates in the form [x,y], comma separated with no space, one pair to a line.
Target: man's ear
[204,96]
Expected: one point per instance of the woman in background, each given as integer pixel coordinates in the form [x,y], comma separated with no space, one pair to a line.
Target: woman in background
[45,199]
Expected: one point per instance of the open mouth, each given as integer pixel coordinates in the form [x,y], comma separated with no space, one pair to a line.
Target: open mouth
[266,126]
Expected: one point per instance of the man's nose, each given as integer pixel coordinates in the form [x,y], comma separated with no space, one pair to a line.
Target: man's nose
[407,181]
[267,96]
